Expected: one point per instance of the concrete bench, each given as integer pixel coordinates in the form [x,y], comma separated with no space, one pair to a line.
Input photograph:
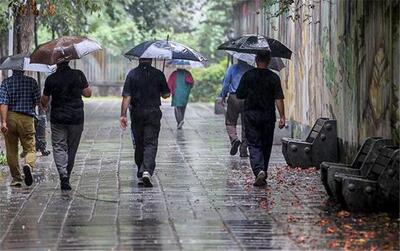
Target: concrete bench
[320,145]
[365,156]
[388,184]
[356,190]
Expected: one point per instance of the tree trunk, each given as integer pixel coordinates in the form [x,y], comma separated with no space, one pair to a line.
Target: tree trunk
[24,26]
[3,51]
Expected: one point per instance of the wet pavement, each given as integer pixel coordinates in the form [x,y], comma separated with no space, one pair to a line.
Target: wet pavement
[202,199]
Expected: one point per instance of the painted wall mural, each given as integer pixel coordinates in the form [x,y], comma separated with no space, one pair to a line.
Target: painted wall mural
[345,63]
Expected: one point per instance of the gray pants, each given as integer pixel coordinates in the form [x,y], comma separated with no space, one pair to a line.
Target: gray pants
[235,107]
[65,140]
[179,113]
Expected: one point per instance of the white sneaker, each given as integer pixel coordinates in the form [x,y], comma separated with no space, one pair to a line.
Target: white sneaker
[16,183]
[146,178]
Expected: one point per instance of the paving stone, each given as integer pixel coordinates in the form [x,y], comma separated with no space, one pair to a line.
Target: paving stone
[202,199]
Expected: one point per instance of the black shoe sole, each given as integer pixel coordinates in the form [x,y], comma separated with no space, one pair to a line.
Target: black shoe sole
[28,175]
[235,147]
[147,182]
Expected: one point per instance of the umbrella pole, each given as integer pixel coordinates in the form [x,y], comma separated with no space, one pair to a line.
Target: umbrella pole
[163,67]
[38,73]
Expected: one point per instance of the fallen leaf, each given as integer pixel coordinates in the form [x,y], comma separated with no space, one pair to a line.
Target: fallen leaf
[343,214]
[331,230]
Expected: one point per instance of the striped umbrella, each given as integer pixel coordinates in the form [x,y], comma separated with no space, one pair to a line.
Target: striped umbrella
[164,49]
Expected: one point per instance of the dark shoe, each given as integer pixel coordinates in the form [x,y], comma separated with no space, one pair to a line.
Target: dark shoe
[140,182]
[243,151]
[28,175]
[235,147]
[180,124]
[65,186]
[147,179]
[244,154]
[260,179]
[45,152]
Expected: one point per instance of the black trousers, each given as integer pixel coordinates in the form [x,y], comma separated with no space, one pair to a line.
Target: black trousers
[146,125]
[259,126]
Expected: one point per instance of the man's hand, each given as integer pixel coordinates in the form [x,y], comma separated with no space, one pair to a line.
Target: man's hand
[282,122]
[222,102]
[4,128]
[123,121]
[44,108]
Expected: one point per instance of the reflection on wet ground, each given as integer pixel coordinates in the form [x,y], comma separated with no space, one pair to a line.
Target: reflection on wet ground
[202,199]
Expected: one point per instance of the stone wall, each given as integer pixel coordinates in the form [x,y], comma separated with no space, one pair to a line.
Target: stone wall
[345,63]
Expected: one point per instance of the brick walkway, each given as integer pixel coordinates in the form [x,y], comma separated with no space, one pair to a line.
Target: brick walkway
[202,199]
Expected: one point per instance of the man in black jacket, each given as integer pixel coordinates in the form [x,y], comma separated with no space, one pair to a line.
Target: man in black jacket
[261,89]
[142,90]
[66,87]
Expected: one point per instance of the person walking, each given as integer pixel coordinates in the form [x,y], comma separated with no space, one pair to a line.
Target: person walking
[66,87]
[180,83]
[261,90]
[19,95]
[142,90]
[235,106]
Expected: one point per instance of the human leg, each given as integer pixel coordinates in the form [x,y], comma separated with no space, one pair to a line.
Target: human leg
[151,133]
[180,115]
[231,118]
[73,140]
[254,141]
[137,126]
[59,140]
[244,144]
[11,142]
[26,132]
[267,142]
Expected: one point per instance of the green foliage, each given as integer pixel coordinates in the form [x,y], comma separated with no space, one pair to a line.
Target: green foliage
[175,14]
[66,17]
[3,17]
[213,29]
[208,82]
[3,159]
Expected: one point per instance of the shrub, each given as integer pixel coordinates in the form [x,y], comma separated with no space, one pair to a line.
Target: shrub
[208,82]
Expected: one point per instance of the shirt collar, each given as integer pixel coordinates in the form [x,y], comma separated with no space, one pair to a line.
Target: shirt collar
[18,73]
[63,67]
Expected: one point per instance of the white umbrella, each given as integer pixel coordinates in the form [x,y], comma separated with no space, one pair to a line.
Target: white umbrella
[21,62]
[275,64]
[185,63]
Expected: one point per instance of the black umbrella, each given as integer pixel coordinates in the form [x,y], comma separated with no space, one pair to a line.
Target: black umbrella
[256,43]
[164,49]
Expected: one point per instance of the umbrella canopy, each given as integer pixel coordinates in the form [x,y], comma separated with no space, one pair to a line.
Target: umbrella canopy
[275,64]
[21,62]
[64,49]
[256,43]
[163,49]
[185,63]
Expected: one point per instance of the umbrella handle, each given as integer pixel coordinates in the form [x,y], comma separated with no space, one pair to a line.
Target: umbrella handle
[163,67]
